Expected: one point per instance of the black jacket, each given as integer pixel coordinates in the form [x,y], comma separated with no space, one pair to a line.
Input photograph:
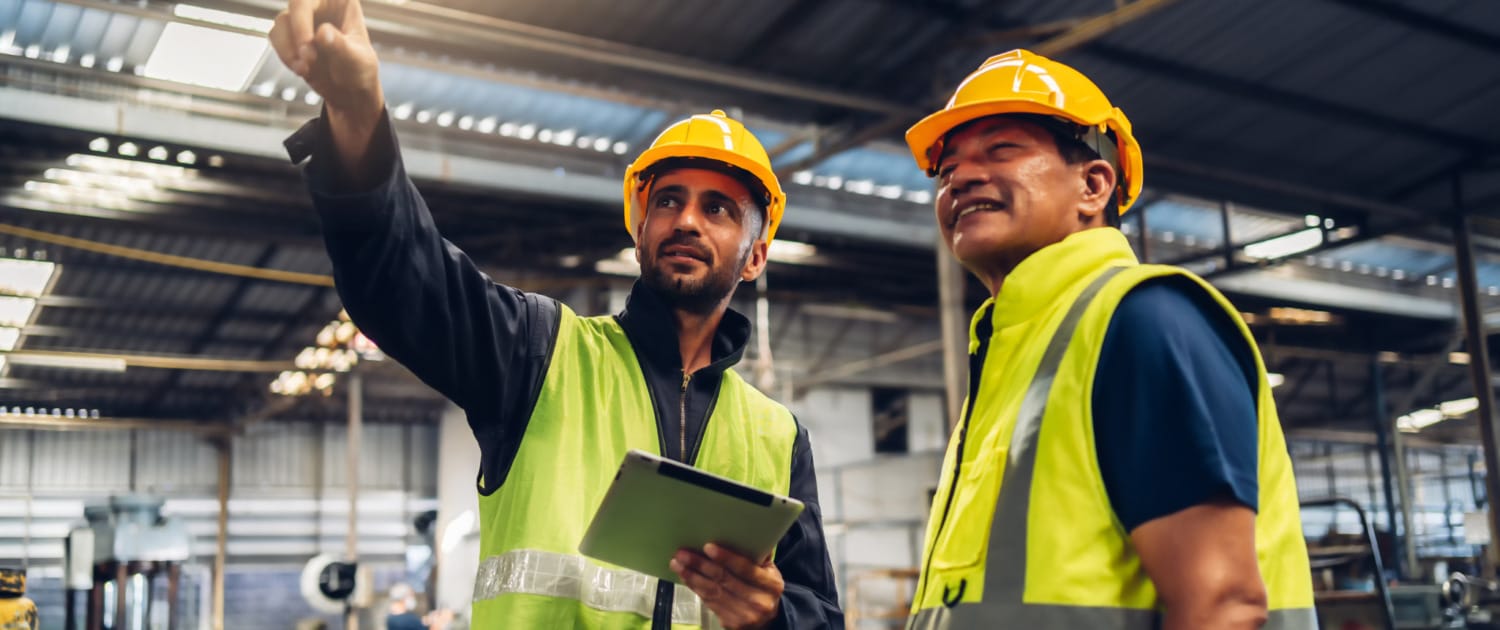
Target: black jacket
[486,347]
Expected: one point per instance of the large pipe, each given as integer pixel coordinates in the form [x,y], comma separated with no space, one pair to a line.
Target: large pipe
[955,333]
[1382,425]
[1479,364]
[356,424]
[221,543]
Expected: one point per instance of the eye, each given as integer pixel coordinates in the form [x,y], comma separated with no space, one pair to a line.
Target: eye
[944,172]
[716,208]
[666,201]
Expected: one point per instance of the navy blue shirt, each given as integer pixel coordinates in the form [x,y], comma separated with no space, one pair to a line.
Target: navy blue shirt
[404,621]
[1174,404]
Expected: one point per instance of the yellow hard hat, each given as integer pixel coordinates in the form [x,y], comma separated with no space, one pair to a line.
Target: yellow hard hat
[713,136]
[1022,82]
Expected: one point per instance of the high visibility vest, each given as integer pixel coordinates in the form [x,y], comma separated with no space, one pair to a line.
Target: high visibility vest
[1025,536]
[594,406]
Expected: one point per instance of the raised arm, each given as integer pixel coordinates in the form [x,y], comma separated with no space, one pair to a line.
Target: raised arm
[481,344]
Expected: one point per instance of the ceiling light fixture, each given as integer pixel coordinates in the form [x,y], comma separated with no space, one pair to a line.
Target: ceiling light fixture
[179,56]
[1285,245]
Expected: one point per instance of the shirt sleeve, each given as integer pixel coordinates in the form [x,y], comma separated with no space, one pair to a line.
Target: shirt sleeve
[1175,418]
[810,598]
[481,344]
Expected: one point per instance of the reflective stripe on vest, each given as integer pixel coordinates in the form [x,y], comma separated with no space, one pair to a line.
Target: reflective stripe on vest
[533,572]
[1002,604]
[1048,617]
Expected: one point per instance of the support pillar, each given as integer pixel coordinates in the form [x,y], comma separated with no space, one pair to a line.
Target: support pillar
[1479,365]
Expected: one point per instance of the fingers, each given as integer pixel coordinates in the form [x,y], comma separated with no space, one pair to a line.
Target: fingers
[743,567]
[281,42]
[301,19]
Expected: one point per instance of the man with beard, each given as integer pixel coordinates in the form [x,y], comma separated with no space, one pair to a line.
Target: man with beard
[555,400]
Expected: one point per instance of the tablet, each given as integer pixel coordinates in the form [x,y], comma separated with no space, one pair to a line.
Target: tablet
[656,506]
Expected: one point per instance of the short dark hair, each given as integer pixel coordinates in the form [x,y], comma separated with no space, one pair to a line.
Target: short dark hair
[1075,151]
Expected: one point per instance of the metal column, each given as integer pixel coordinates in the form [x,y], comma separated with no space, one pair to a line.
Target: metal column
[221,543]
[1479,364]
[1382,421]
[356,424]
[954,329]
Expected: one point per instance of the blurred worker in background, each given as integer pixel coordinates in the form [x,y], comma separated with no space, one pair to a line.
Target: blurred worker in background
[1119,462]
[555,400]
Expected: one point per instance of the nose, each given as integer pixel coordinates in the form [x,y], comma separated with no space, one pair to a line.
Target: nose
[966,175]
[690,219]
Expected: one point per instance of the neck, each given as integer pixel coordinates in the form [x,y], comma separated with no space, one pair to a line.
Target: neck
[695,336]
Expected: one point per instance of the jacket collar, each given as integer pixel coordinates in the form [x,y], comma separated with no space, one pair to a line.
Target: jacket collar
[652,328]
[1046,274]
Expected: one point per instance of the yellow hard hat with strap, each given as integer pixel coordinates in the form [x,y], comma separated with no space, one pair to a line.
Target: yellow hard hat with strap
[716,137]
[1022,82]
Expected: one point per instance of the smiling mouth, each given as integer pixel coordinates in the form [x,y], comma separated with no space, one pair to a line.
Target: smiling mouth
[983,206]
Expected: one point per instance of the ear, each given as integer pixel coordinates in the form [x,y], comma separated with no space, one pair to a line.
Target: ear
[755,263]
[1098,181]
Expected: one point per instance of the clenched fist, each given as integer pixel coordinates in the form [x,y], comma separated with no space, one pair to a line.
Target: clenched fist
[326,43]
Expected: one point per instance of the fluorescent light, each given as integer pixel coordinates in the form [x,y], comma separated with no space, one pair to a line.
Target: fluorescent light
[1301,316]
[487,124]
[114,64]
[16,311]
[919,196]
[1283,246]
[25,277]
[402,111]
[507,129]
[620,148]
[622,264]
[128,149]
[1418,420]
[158,153]
[8,338]
[526,132]
[105,364]
[87,60]
[863,313]
[1274,379]
[790,251]
[802,177]
[1423,418]
[466,122]
[187,157]
[1386,356]
[116,166]
[2,364]
[226,18]
[1458,358]
[601,144]
[182,54]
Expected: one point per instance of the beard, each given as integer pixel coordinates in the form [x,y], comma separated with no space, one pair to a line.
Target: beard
[695,294]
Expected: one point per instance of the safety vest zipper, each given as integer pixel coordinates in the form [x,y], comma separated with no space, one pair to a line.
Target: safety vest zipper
[682,425]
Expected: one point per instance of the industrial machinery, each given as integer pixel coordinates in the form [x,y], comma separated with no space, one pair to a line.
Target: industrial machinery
[16,611]
[332,586]
[118,557]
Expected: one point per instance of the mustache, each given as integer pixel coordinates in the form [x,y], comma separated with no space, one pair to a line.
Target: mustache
[686,241]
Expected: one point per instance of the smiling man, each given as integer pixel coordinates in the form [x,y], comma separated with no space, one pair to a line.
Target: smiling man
[555,400]
[1119,463]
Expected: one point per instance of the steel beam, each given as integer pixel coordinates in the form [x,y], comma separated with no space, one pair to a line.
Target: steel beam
[1381,421]
[1424,21]
[1080,34]
[1479,364]
[1260,92]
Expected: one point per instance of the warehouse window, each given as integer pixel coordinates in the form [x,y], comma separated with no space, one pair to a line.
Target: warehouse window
[890,410]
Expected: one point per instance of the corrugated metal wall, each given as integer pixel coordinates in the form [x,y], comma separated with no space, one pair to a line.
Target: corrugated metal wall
[272,457]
